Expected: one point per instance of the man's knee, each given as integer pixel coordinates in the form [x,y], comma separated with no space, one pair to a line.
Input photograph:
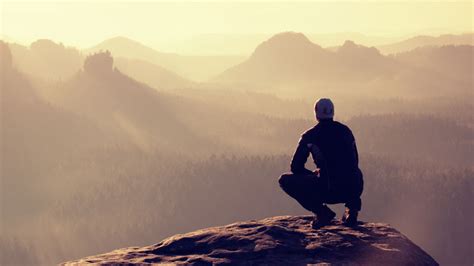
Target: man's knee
[285,179]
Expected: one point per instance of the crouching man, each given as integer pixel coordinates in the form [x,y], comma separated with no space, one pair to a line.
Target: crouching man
[337,179]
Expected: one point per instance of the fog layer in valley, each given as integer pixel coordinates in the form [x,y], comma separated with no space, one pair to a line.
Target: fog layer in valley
[122,145]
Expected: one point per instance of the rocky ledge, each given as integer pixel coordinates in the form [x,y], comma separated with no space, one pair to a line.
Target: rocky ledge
[282,240]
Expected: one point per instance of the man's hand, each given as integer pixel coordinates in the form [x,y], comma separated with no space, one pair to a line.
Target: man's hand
[316,172]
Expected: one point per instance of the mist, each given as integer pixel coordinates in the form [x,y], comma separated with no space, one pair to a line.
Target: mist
[120,144]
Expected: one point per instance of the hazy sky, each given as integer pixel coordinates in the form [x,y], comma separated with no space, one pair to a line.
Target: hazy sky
[86,23]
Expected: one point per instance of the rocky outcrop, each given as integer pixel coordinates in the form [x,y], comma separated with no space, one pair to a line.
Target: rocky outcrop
[99,64]
[282,240]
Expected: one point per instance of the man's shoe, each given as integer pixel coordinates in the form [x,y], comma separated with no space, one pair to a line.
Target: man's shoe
[323,218]
[349,218]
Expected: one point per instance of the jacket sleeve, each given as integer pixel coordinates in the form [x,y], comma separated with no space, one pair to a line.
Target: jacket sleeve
[356,153]
[300,157]
[354,148]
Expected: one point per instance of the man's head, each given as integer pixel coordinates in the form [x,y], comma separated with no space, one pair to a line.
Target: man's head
[324,109]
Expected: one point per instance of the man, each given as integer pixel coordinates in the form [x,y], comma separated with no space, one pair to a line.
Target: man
[337,179]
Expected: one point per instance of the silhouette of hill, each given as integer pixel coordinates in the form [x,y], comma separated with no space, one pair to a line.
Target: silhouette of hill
[196,68]
[276,240]
[423,40]
[46,59]
[291,58]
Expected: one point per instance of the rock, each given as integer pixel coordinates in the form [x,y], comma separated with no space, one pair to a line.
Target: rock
[99,63]
[281,240]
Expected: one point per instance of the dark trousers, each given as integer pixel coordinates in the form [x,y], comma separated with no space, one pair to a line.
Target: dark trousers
[312,192]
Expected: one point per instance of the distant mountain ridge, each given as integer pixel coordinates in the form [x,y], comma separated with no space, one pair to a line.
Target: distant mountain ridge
[292,57]
[290,61]
[47,59]
[424,40]
[52,61]
[197,68]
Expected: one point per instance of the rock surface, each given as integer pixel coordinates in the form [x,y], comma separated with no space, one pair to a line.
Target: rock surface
[281,240]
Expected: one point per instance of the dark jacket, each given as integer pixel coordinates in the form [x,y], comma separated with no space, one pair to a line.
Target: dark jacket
[334,151]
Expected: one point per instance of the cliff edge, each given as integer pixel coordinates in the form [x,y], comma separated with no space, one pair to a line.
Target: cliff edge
[281,240]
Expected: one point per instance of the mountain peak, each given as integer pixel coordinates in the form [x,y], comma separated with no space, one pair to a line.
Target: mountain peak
[289,36]
[120,42]
[273,241]
[350,48]
[286,41]
[292,46]
[45,45]
[349,44]
[120,39]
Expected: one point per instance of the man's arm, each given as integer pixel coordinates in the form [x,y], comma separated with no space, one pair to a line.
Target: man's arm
[300,157]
